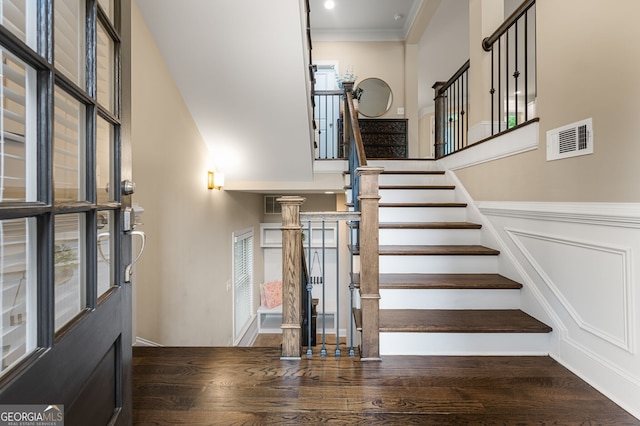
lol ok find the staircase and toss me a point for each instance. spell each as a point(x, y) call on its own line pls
point(440, 290)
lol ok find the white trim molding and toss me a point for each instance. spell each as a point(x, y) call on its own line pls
point(514, 142)
point(144, 342)
point(607, 214)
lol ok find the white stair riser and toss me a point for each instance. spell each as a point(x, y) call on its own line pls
point(449, 299)
point(478, 344)
point(417, 196)
point(429, 236)
point(438, 264)
point(413, 180)
point(422, 214)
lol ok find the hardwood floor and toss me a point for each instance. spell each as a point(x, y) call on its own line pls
point(211, 386)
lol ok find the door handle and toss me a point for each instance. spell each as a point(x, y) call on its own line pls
point(128, 271)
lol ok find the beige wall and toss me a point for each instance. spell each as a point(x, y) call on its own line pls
point(181, 278)
point(384, 60)
point(587, 67)
point(426, 147)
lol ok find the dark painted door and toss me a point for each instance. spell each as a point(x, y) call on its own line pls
point(65, 242)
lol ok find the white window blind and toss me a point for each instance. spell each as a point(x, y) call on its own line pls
point(242, 281)
point(69, 140)
point(18, 247)
point(68, 268)
point(19, 17)
point(17, 290)
point(105, 68)
point(69, 38)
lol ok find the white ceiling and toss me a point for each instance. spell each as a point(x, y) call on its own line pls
point(362, 20)
point(240, 67)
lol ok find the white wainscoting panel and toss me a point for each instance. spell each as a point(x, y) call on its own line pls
point(583, 275)
point(579, 264)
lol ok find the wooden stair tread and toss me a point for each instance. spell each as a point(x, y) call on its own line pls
point(429, 225)
point(413, 172)
point(435, 187)
point(422, 205)
point(442, 281)
point(446, 281)
point(437, 250)
point(460, 321)
point(408, 172)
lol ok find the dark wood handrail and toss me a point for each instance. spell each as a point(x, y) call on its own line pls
point(355, 126)
point(487, 43)
point(457, 75)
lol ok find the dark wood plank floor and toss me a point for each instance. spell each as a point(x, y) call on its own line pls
point(210, 386)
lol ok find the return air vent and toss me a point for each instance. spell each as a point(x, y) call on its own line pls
point(570, 141)
point(271, 206)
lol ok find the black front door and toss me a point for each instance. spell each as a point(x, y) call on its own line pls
point(65, 329)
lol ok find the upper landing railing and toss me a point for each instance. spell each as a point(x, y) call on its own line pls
point(513, 85)
point(513, 69)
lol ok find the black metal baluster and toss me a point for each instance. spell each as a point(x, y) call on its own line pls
point(516, 74)
point(526, 65)
point(336, 322)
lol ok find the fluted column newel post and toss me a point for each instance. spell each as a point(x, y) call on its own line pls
point(291, 276)
point(369, 262)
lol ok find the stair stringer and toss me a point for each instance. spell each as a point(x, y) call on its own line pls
point(531, 299)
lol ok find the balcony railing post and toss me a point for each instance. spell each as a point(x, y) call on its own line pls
point(291, 276)
point(346, 126)
point(369, 262)
point(440, 118)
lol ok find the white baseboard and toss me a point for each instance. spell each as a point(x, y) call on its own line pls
point(144, 342)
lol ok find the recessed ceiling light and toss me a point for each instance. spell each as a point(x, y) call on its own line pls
point(329, 4)
point(398, 17)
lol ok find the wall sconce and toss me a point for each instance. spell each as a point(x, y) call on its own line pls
point(215, 180)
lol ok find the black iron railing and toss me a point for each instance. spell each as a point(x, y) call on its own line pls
point(326, 116)
point(452, 118)
point(326, 318)
point(513, 69)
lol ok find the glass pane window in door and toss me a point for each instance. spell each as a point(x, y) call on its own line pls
point(70, 39)
point(18, 271)
point(68, 148)
point(108, 6)
point(105, 230)
point(17, 130)
point(19, 17)
point(105, 69)
point(69, 272)
point(104, 161)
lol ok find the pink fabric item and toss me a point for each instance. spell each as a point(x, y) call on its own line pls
point(272, 294)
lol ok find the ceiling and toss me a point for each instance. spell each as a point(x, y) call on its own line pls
point(362, 20)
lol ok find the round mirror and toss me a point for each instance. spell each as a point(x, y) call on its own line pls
point(374, 97)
